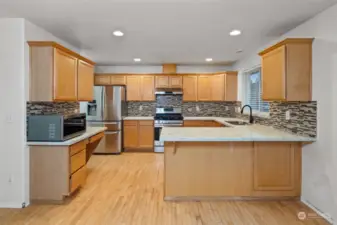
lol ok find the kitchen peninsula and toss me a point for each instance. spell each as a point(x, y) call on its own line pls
point(232, 162)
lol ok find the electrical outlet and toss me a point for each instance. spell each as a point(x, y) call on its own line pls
point(140, 108)
point(226, 108)
point(288, 115)
point(9, 119)
point(197, 108)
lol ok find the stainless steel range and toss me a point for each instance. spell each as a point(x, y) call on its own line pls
point(165, 117)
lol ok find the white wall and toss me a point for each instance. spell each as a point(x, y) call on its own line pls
point(14, 86)
point(158, 69)
point(319, 185)
point(12, 113)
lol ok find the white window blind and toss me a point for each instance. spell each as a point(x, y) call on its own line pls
point(254, 95)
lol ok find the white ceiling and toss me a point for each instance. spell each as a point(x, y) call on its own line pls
point(164, 31)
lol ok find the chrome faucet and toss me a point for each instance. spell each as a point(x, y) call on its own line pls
point(251, 118)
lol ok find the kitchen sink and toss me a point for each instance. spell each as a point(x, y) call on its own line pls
point(238, 123)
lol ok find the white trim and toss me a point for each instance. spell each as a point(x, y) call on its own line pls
point(326, 216)
point(11, 205)
point(258, 114)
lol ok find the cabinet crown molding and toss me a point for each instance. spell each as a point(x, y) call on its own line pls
point(58, 46)
point(287, 41)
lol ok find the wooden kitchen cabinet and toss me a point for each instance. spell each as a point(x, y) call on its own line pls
point(277, 168)
point(131, 134)
point(147, 88)
point(63, 172)
point(102, 79)
point(133, 88)
point(218, 87)
point(65, 76)
point(85, 79)
point(202, 123)
point(286, 70)
point(174, 81)
point(140, 88)
point(162, 81)
point(231, 86)
point(118, 80)
point(59, 74)
point(204, 88)
point(190, 88)
point(138, 135)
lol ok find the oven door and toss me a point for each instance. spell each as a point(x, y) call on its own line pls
point(158, 145)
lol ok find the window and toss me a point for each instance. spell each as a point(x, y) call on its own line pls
point(253, 91)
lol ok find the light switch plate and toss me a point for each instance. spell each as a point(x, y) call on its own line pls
point(288, 115)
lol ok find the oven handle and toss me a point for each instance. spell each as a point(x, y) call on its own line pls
point(168, 125)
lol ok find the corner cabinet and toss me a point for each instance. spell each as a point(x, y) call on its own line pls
point(286, 70)
point(58, 74)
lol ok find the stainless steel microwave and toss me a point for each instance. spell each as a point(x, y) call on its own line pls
point(55, 127)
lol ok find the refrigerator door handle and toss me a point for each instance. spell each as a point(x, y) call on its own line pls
point(111, 132)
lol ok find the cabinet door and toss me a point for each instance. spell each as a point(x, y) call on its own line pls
point(204, 88)
point(218, 87)
point(85, 80)
point(190, 88)
point(194, 123)
point(65, 76)
point(117, 80)
point(102, 79)
point(231, 87)
point(275, 166)
point(146, 134)
point(131, 134)
point(273, 74)
point(133, 91)
point(148, 88)
point(162, 82)
point(176, 81)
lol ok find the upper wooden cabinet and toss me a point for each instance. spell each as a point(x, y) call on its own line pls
point(59, 74)
point(110, 79)
point(174, 81)
point(190, 88)
point(286, 70)
point(140, 88)
point(85, 91)
point(204, 88)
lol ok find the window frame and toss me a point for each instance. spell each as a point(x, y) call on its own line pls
point(246, 92)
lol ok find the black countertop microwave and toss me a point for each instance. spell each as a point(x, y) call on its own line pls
point(55, 127)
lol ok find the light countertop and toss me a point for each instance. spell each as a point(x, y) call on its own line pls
point(91, 131)
point(138, 118)
point(232, 133)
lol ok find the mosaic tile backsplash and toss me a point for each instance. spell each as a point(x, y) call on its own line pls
point(303, 117)
point(40, 108)
point(141, 108)
point(219, 109)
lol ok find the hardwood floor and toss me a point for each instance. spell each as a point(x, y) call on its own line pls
point(128, 190)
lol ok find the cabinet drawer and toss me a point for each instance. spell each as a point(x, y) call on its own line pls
point(130, 122)
point(77, 161)
point(78, 179)
point(145, 122)
point(75, 148)
point(96, 137)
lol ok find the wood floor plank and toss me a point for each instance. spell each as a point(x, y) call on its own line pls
point(128, 190)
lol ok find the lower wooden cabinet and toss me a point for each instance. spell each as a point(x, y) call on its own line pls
point(58, 171)
point(138, 135)
point(202, 123)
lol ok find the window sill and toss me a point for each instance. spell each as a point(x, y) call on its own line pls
point(259, 114)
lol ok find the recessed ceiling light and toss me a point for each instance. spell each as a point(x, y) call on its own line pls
point(118, 33)
point(209, 59)
point(235, 33)
point(137, 59)
point(239, 51)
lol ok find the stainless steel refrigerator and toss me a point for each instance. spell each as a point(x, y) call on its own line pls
point(108, 109)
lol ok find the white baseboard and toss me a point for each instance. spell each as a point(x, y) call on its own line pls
point(12, 205)
point(322, 214)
